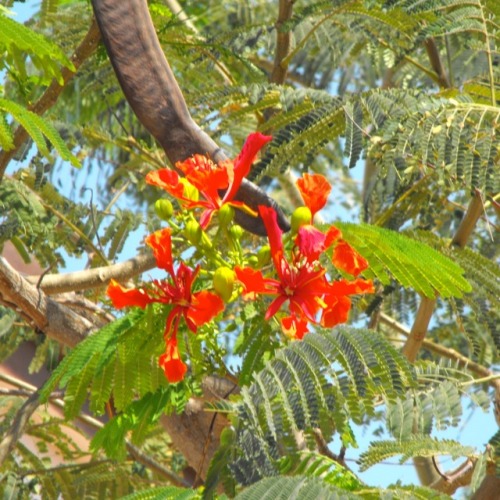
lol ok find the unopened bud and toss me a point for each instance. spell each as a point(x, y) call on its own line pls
point(300, 217)
point(263, 256)
point(224, 282)
point(236, 232)
point(253, 261)
point(226, 215)
point(164, 209)
point(193, 232)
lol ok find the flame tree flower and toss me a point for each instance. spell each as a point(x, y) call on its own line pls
point(197, 308)
point(301, 281)
point(210, 179)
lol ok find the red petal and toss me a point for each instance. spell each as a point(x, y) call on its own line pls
point(206, 176)
point(243, 162)
point(161, 243)
point(171, 363)
point(166, 179)
point(332, 235)
point(254, 282)
point(274, 233)
point(314, 190)
point(337, 312)
point(358, 286)
point(294, 327)
point(204, 307)
point(310, 241)
point(347, 259)
point(127, 297)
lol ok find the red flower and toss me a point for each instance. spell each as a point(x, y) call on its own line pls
point(302, 281)
point(197, 308)
point(299, 282)
point(210, 178)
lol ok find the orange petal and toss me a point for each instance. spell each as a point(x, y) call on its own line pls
point(347, 259)
point(172, 365)
point(294, 327)
point(161, 244)
point(166, 179)
point(204, 307)
point(314, 190)
point(337, 312)
point(127, 297)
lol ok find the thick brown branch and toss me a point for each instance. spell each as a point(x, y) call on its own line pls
point(153, 93)
point(55, 320)
point(86, 48)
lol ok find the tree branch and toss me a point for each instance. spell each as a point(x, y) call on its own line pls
point(21, 420)
point(96, 277)
point(86, 48)
point(283, 38)
point(425, 310)
point(55, 320)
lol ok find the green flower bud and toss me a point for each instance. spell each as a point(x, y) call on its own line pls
point(193, 232)
point(190, 192)
point(224, 282)
point(164, 209)
point(236, 232)
point(264, 256)
point(253, 261)
point(226, 215)
point(300, 217)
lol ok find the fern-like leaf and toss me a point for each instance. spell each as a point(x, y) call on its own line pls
point(38, 129)
point(418, 445)
point(394, 256)
point(45, 55)
point(321, 383)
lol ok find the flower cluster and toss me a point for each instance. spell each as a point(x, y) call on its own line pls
point(197, 308)
point(299, 278)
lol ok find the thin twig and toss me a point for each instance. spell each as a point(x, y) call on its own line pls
point(96, 277)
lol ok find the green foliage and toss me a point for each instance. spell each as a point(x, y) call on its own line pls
point(361, 87)
point(17, 40)
point(139, 417)
point(394, 256)
point(164, 493)
point(418, 445)
point(293, 487)
point(323, 382)
point(38, 129)
point(115, 362)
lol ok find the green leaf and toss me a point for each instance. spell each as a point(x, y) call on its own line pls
point(44, 54)
point(38, 129)
point(418, 445)
point(413, 264)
